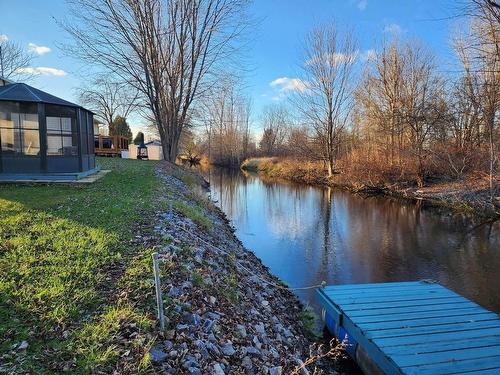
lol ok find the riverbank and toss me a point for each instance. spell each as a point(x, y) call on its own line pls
point(470, 196)
point(226, 312)
point(76, 282)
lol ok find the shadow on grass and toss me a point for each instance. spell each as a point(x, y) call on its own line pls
point(108, 203)
point(62, 249)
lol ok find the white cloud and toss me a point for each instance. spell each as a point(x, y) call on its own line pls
point(39, 50)
point(41, 70)
point(285, 84)
point(362, 4)
point(393, 28)
point(369, 55)
point(3, 38)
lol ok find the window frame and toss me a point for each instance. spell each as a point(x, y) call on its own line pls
point(62, 133)
point(17, 113)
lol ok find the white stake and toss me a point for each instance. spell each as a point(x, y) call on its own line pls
point(159, 299)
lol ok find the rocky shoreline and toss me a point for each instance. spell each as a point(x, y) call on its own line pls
point(225, 312)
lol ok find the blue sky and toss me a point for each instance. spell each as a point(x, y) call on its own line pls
point(274, 52)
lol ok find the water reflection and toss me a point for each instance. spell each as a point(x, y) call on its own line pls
point(307, 234)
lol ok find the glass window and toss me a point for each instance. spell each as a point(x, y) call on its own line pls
point(53, 123)
point(62, 137)
point(19, 132)
point(31, 142)
point(29, 121)
point(66, 124)
point(107, 143)
point(7, 137)
point(5, 121)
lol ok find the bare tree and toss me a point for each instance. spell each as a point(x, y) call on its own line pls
point(276, 122)
point(402, 99)
point(326, 98)
point(109, 99)
point(485, 9)
point(479, 52)
point(14, 60)
point(226, 116)
point(423, 105)
point(168, 50)
point(379, 96)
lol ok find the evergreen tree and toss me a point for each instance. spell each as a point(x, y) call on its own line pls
point(120, 127)
point(139, 138)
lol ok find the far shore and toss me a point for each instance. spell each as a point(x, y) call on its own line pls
point(469, 196)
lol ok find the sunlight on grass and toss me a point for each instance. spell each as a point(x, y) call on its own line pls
point(194, 213)
point(96, 342)
point(57, 247)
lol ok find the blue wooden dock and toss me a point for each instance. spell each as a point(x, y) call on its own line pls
point(412, 328)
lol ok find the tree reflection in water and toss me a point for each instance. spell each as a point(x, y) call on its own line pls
point(308, 234)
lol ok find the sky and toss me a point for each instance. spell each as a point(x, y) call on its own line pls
point(274, 52)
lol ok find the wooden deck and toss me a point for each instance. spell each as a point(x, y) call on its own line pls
point(111, 145)
point(412, 328)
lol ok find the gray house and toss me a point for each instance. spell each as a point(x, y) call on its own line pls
point(42, 136)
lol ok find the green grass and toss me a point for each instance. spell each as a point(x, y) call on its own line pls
point(230, 291)
point(310, 320)
point(195, 213)
point(66, 259)
point(197, 278)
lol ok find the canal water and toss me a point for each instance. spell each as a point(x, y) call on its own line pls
point(308, 234)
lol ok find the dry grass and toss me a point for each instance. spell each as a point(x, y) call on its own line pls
point(321, 356)
point(376, 176)
point(288, 168)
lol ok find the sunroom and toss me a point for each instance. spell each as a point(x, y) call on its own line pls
point(43, 137)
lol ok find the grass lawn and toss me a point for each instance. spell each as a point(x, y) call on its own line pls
point(72, 273)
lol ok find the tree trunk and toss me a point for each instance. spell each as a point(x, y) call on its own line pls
point(165, 148)
point(330, 166)
point(492, 158)
point(420, 171)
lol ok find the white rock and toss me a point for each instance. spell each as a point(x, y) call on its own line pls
point(23, 345)
point(218, 370)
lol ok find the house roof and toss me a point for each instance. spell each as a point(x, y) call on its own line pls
point(154, 142)
point(21, 92)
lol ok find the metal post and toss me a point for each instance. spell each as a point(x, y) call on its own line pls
point(159, 300)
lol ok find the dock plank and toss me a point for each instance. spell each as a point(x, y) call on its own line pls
point(491, 371)
point(471, 311)
point(436, 337)
point(408, 360)
point(410, 309)
point(442, 328)
point(382, 291)
point(415, 327)
point(398, 284)
point(443, 346)
point(431, 321)
point(391, 305)
point(392, 298)
point(456, 367)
